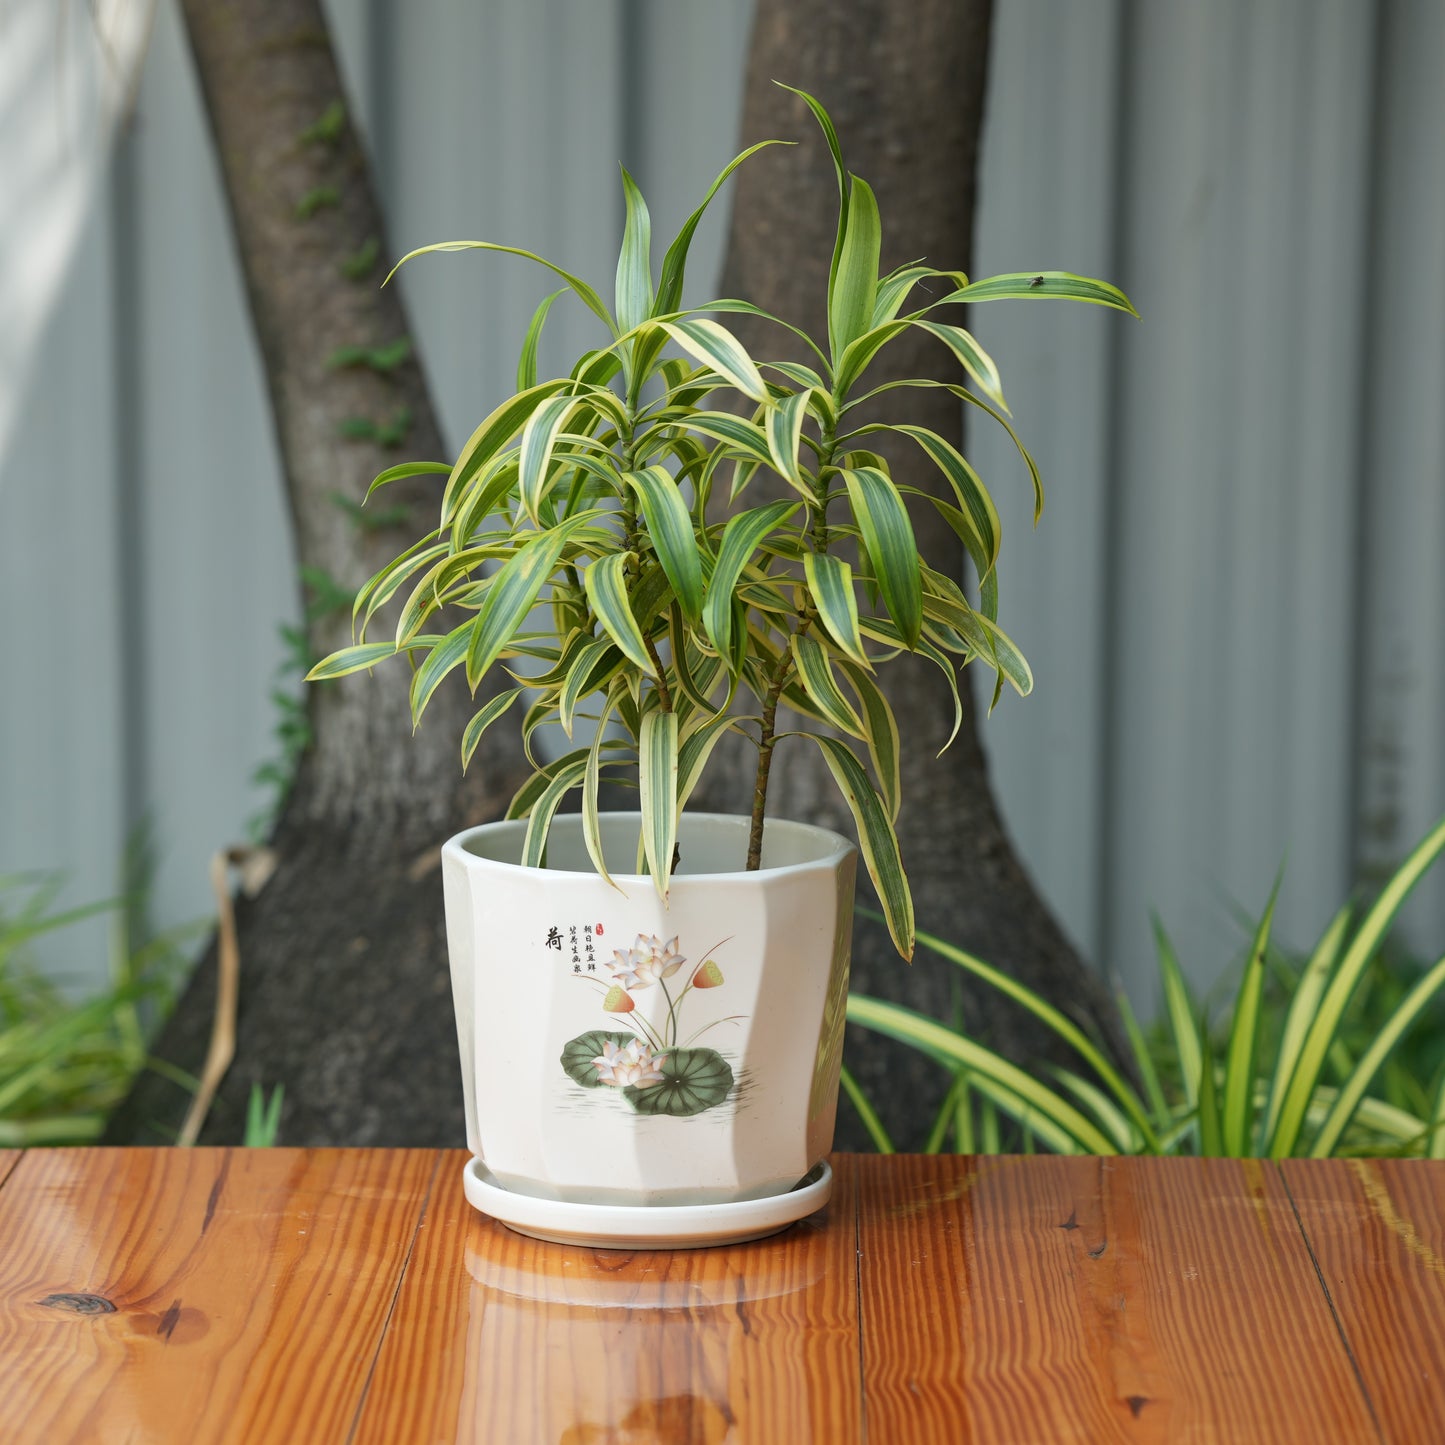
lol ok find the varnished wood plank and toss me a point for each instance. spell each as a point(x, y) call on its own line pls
point(1093, 1300)
point(497, 1337)
point(1377, 1229)
point(9, 1158)
point(198, 1295)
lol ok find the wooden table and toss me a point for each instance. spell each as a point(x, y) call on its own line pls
point(309, 1296)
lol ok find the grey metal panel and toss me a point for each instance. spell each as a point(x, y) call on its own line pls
point(1048, 199)
point(60, 647)
point(1401, 678)
point(1243, 213)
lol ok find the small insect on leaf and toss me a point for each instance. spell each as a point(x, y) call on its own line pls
point(1036, 283)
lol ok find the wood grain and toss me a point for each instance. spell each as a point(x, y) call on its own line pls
point(1377, 1229)
point(1056, 1300)
point(198, 1295)
point(497, 1337)
point(9, 1158)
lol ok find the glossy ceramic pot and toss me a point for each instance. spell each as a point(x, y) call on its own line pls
point(619, 1049)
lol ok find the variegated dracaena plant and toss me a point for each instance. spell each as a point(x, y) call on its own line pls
point(598, 494)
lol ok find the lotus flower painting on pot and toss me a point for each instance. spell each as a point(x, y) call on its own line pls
point(653, 1070)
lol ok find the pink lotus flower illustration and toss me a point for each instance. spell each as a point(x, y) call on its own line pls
point(634, 1064)
point(648, 961)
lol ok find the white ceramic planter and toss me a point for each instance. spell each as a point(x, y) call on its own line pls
point(619, 1050)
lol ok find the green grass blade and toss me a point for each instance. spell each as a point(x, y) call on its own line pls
point(985, 1066)
point(866, 1112)
point(1143, 1061)
point(1211, 1127)
point(1354, 1087)
point(1243, 1048)
point(1180, 1011)
point(1326, 1023)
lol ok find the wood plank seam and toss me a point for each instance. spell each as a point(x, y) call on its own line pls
point(8, 1163)
point(858, 1294)
point(421, 1215)
point(1330, 1301)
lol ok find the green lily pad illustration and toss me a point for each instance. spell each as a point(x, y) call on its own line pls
point(694, 1080)
point(577, 1055)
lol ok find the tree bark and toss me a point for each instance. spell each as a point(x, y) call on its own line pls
point(905, 85)
point(344, 995)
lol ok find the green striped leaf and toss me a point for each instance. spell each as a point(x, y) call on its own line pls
point(539, 436)
point(785, 431)
point(1324, 1028)
point(1180, 1012)
point(591, 786)
point(955, 1049)
point(1303, 1004)
point(743, 436)
point(696, 749)
point(860, 352)
point(634, 264)
point(527, 362)
point(739, 541)
point(674, 264)
point(446, 655)
point(867, 1114)
point(605, 582)
point(589, 298)
point(890, 544)
point(880, 729)
point(825, 124)
point(358, 658)
point(596, 665)
point(1243, 1046)
point(855, 285)
point(511, 593)
point(973, 497)
point(483, 718)
point(494, 432)
point(816, 676)
point(563, 778)
point(893, 291)
point(876, 839)
point(975, 361)
point(1348, 1100)
point(715, 346)
point(525, 798)
point(403, 471)
point(1042, 285)
point(657, 782)
point(830, 583)
point(669, 524)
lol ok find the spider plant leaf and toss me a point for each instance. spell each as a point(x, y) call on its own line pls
point(1180, 1011)
point(1242, 1050)
point(1042, 285)
point(605, 582)
point(715, 346)
point(983, 1064)
point(876, 839)
point(589, 298)
point(830, 584)
point(634, 263)
point(481, 720)
point(674, 264)
point(1211, 1128)
point(740, 540)
point(527, 361)
point(1353, 1089)
point(815, 672)
point(891, 546)
point(539, 437)
point(657, 780)
point(854, 287)
point(1143, 1060)
point(867, 1114)
point(1324, 1028)
point(881, 734)
point(784, 432)
point(1302, 1006)
point(669, 524)
point(512, 591)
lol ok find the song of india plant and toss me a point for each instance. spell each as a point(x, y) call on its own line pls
point(676, 612)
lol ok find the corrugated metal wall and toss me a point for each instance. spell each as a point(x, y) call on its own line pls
point(1233, 605)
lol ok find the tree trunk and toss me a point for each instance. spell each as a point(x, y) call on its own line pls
point(905, 85)
point(344, 994)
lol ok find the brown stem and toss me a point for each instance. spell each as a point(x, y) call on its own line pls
point(664, 696)
point(765, 762)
